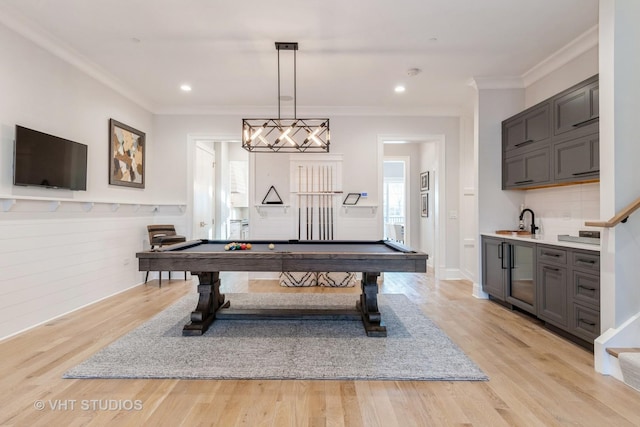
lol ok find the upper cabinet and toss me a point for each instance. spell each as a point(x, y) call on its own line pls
point(577, 109)
point(528, 129)
point(555, 142)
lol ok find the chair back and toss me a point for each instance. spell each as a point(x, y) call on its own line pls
point(163, 233)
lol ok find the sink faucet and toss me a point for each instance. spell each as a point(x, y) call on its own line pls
point(533, 219)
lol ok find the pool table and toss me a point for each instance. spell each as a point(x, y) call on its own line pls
point(207, 258)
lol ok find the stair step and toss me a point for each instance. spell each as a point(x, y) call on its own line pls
point(615, 351)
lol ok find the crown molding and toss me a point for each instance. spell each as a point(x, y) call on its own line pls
point(505, 82)
point(322, 111)
point(570, 51)
point(57, 47)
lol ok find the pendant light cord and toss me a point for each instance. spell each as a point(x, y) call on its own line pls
point(295, 88)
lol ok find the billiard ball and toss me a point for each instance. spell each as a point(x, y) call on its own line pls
point(248, 245)
point(271, 246)
point(243, 246)
point(226, 247)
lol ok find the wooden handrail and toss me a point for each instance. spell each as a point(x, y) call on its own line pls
point(620, 217)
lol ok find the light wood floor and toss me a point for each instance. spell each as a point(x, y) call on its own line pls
point(536, 378)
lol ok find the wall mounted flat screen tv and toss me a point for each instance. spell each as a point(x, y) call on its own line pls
point(48, 161)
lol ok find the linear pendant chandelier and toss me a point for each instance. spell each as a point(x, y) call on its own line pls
point(286, 135)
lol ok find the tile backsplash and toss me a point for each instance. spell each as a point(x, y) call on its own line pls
point(563, 210)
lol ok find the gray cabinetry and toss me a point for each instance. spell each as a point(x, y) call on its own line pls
point(493, 271)
point(577, 159)
point(527, 129)
point(577, 108)
point(566, 291)
point(527, 169)
point(508, 271)
point(555, 142)
point(552, 286)
point(584, 317)
point(569, 291)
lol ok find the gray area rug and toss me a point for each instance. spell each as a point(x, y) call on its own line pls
point(415, 348)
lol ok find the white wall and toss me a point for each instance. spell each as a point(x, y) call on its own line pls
point(356, 138)
point(469, 242)
point(56, 258)
point(578, 69)
point(563, 210)
point(619, 154)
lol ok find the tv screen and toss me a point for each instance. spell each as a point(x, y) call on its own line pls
point(48, 161)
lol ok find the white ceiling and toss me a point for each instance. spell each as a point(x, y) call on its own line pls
point(352, 53)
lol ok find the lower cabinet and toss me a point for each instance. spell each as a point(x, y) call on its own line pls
point(584, 316)
point(493, 270)
point(567, 286)
point(552, 294)
point(569, 290)
point(508, 272)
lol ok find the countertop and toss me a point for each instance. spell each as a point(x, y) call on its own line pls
point(546, 240)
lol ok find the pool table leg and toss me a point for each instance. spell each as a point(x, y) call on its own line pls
point(368, 306)
point(209, 302)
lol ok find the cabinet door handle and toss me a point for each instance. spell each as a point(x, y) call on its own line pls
point(585, 172)
point(553, 255)
point(585, 261)
point(586, 322)
point(501, 255)
point(512, 252)
point(585, 122)
point(551, 268)
point(523, 182)
point(586, 288)
point(528, 141)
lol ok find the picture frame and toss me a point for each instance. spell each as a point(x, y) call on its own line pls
point(127, 147)
point(351, 199)
point(424, 181)
point(424, 205)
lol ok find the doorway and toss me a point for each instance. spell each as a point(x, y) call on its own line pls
point(204, 190)
point(424, 207)
point(217, 201)
point(395, 211)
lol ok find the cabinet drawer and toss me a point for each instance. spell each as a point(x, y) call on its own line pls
point(586, 261)
point(585, 322)
point(554, 255)
point(586, 288)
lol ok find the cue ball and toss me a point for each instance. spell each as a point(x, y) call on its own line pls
point(271, 246)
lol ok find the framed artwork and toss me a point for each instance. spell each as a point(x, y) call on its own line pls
point(126, 155)
point(424, 181)
point(351, 199)
point(424, 204)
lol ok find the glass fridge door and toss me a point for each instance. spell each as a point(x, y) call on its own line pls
point(522, 283)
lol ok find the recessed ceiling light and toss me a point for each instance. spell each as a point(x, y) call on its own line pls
point(185, 88)
point(399, 89)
